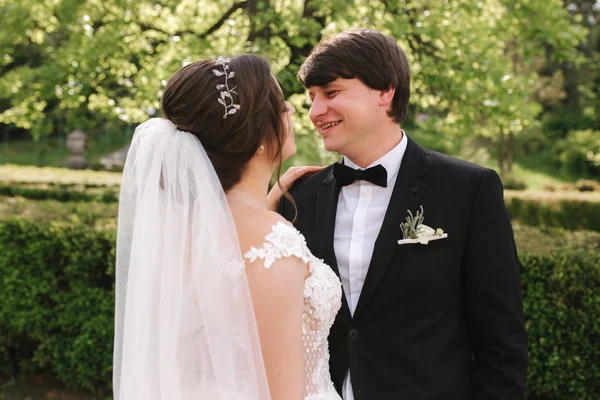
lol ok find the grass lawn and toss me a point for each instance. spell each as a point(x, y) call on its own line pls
point(28, 153)
point(534, 177)
point(552, 197)
point(24, 173)
point(53, 153)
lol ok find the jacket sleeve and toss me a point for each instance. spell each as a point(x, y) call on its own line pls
point(285, 208)
point(492, 295)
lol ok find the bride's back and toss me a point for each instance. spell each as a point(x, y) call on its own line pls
point(237, 110)
point(277, 296)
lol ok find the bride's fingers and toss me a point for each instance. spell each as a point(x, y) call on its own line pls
point(286, 181)
point(296, 172)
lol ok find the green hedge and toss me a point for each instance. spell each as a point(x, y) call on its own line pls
point(60, 185)
point(561, 295)
point(91, 214)
point(56, 312)
point(567, 214)
point(60, 194)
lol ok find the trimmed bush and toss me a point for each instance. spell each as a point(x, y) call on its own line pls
point(587, 185)
point(562, 307)
point(567, 214)
point(107, 196)
point(511, 182)
point(56, 313)
point(90, 214)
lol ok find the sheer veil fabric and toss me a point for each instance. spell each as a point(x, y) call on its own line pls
point(184, 324)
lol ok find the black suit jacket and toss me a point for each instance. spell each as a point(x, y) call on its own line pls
point(441, 321)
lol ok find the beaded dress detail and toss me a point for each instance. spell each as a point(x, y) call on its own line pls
point(322, 301)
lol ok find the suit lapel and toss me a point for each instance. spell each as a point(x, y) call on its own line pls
point(327, 199)
point(325, 220)
point(408, 191)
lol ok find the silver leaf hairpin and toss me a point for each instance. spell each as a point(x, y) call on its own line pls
point(225, 90)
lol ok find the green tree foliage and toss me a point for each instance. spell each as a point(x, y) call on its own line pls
point(84, 62)
point(579, 106)
point(569, 93)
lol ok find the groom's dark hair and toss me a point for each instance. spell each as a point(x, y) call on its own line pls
point(369, 55)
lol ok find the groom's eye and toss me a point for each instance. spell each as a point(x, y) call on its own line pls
point(331, 93)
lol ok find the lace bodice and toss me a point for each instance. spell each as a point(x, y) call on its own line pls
point(322, 301)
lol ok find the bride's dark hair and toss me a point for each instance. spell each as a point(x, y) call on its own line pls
point(190, 101)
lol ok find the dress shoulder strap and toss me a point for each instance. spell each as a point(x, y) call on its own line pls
point(283, 241)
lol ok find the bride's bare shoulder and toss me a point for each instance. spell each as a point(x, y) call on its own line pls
point(254, 225)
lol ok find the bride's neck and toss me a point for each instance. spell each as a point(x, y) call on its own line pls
point(253, 186)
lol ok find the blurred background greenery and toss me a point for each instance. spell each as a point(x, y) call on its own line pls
point(511, 84)
point(508, 84)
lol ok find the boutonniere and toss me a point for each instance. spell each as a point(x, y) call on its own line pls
point(415, 231)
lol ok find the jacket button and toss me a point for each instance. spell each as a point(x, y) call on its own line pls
point(353, 334)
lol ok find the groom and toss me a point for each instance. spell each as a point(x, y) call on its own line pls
point(442, 321)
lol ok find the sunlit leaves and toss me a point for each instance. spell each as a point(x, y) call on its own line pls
point(110, 59)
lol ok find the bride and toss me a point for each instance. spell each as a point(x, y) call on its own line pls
point(217, 296)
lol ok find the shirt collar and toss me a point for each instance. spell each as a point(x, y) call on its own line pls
point(391, 160)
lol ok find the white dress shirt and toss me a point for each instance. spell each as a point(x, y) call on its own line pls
point(361, 208)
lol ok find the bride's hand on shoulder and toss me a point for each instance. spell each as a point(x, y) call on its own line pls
point(286, 181)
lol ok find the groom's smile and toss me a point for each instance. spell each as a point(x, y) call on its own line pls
point(344, 113)
point(326, 125)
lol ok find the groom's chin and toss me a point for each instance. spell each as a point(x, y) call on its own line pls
point(330, 145)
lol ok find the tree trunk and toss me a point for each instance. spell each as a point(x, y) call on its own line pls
point(259, 29)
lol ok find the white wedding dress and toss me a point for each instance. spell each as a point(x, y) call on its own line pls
point(322, 301)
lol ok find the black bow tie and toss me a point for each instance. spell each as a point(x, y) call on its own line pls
point(345, 175)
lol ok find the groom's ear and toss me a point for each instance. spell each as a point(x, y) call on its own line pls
point(386, 96)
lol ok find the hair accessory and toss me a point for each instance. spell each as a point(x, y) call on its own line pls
point(261, 148)
point(226, 91)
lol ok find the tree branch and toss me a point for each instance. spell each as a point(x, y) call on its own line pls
point(224, 18)
point(258, 29)
point(203, 35)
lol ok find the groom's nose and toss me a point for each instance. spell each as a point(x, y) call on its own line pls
point(317, 108)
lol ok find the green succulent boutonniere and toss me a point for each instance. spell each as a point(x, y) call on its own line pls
point(415, 231)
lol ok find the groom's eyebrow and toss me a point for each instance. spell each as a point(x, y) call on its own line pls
point(325, 86)
point(328, 85)
point(334, 83)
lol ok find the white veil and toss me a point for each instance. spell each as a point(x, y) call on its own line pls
point(184, 323)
